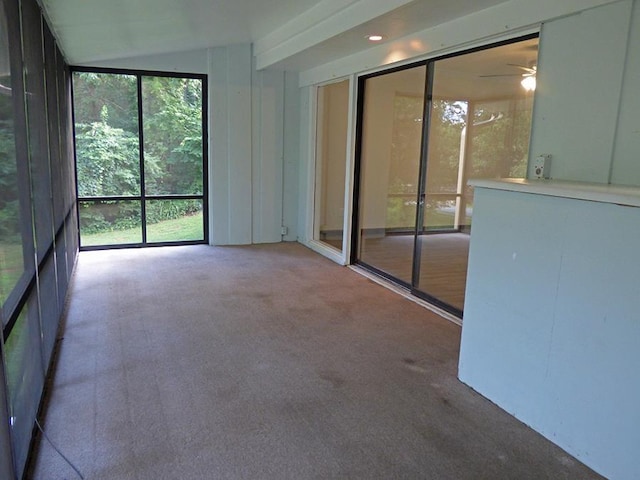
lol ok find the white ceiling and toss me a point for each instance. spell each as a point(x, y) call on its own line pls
point(295, 34)
point(91, 30)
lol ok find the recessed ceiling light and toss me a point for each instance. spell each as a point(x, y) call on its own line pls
point(374, 38)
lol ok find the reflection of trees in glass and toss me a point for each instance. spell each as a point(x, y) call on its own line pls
point(448, 119)
point(500, 149)
point(404, 163)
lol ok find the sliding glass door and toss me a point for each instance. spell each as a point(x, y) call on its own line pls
point(424, 131)
point(391, 119)
point(332, 117)
point(140, 158)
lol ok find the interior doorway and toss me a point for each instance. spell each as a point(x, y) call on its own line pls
point(424, 130)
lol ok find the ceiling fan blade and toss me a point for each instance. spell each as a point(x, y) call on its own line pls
point(502, 75)
point(523, 67)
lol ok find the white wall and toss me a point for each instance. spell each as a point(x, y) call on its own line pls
point(579, 98)
point(551, 327)
point(292, 135)
point(230, 145)
point(253, 141)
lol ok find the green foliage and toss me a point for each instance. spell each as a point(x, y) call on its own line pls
point(119, 93)
point(107, 160)
point(9, 206)
point(160, 210)
point(108, 216)
point(173, 134)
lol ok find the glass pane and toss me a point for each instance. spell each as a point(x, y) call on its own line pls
point(480, 122)
point(24, 366)
point(110, 223)
point(331, 158)
point(11, 255)
point(172, 119)
point(174, 220)
point(107, 147)
point(390, 160)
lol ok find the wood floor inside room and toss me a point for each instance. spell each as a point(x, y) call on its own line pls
point(266, 362)
point(443, 262)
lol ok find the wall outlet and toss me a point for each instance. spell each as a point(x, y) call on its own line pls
point(542, 166)
point(284, 230)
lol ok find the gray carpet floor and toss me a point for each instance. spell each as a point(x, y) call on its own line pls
point(267, 362)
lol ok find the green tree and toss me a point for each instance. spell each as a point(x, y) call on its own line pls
point(107, 160)
point(173, 133)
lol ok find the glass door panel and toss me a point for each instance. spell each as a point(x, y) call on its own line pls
point(391, 139)
point(479, 127)
point(331, 162)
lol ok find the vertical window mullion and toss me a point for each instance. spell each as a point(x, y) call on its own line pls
point(422, 175)
point(143, 202)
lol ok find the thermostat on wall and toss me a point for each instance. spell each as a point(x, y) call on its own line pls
point(542, 166)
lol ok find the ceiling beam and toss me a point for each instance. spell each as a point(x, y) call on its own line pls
point(318, 24)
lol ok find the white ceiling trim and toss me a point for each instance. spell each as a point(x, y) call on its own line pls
point(315, 26)
point(500, 22)
point(318, 13)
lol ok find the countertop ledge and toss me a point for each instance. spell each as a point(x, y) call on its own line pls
point(594, 192)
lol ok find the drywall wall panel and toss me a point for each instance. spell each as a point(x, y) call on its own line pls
point(551, 328)
point(626, 156)
point(230, 149)
point(580, 69)
point(268, 134)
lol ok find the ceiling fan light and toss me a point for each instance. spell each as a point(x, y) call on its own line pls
point(529, 83)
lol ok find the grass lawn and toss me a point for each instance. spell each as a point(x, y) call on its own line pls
point(181, 229)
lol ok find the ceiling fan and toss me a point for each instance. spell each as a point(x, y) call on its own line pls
point(528, 81)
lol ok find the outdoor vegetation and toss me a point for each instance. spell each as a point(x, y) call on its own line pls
point(108, 152)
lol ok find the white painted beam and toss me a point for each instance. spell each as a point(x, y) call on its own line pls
point(322, 22)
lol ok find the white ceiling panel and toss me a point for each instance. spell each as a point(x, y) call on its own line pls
point(92, 30)
point(287, 34)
